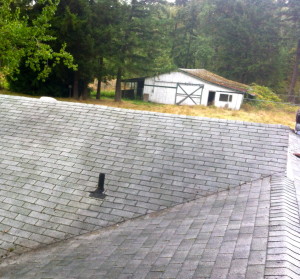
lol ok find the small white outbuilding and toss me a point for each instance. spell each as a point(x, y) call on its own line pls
point(192, 87)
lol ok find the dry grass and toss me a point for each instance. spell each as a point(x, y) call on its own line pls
point(284, 114)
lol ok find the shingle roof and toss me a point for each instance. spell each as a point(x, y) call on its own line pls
point(52, 153)
point(245, 232)
point(211, 237)
point(216, 79)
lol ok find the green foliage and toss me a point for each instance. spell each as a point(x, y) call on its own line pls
point(247, 39)
point(239, 39)
point(3, 82)
point(290, 14)
point(21, 38)
point(192, 41)
point(26, 81)
point(264, 93)
point(244, 40)
point(142, 45)
point(264, 98)
point(104, 94)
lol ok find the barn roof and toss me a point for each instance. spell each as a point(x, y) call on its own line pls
point(216, 79)
point(185, 196)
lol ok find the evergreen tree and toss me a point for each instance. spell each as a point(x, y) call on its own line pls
point(192, 42)
point(143, 45)
point(247, 40)
point(290, 15)
point(105, 20)
point(73, 25)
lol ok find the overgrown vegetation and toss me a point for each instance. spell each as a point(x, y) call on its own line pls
point(264, 93)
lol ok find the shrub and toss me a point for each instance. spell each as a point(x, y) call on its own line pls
point(264, 93)
point(264, 98)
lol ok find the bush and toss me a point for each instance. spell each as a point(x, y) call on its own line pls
point(264, 98)
point(264, 93)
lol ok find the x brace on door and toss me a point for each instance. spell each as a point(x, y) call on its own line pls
point(187, 95)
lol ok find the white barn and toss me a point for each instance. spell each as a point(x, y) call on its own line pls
point(191, 87)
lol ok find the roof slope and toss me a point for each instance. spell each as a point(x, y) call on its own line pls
point(216, 79)
point(211, 237)
point(250, 231)
point(51, 155)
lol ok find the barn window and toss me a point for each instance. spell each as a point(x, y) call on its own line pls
point(225, 98)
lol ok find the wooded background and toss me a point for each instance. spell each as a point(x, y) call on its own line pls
point(57, 48)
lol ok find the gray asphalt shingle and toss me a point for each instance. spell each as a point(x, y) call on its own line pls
point(211, 237)
point(52, 153)
point(284, 233)
point(211, 196)
point(236, 233)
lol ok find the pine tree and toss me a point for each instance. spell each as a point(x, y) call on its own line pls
point(142, 45)
point(192, 43)
point(290, 15)
point(247, 40)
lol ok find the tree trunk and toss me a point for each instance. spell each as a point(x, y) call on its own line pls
point(84, 94)
point(99, 79)
point(118, 91)
point(98, 88)
point(291, 93)
point(75, 85)
point(124, 50)
point(188, 52)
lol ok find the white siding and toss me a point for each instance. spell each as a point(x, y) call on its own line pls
point(236, 102)
point(162, 89)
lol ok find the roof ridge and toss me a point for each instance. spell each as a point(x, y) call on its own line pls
point(281, 259)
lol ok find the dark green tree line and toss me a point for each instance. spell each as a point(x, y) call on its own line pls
point(244, 40)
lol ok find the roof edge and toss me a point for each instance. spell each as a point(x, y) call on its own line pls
point(144, 112)
point(211, 82)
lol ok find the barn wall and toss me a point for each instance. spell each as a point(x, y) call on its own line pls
point(165, 95)
point(164, 91)
point(236, 102)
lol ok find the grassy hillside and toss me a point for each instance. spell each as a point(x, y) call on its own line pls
point(269, 113)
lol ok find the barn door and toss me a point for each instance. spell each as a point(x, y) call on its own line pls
point(190, 94)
